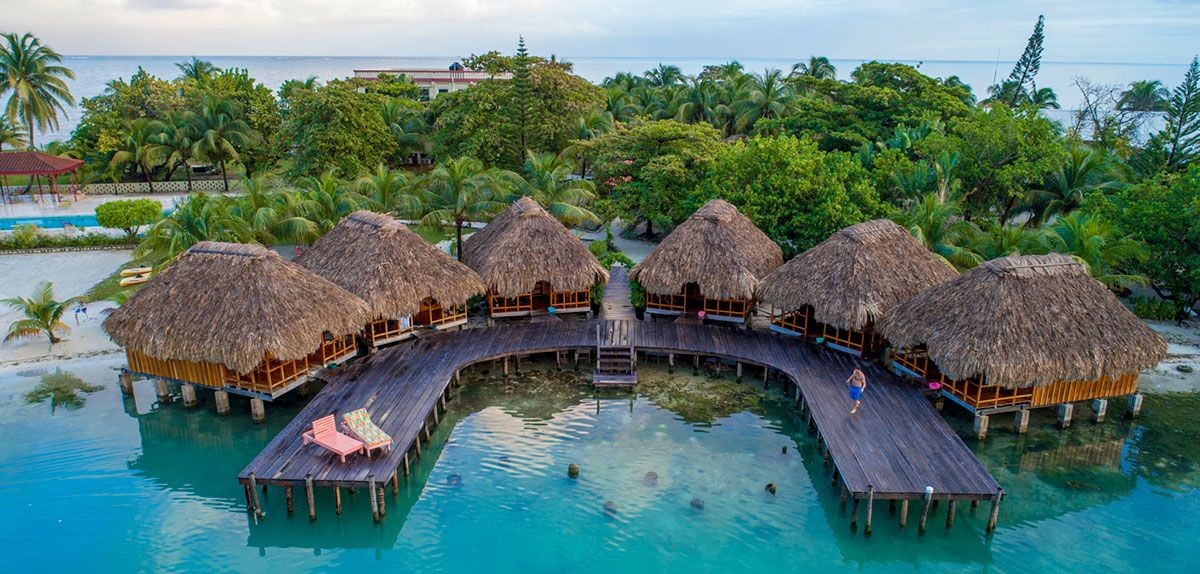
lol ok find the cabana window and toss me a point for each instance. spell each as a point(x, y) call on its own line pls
point(434, 315)
point(382, 331)
point(801, 322)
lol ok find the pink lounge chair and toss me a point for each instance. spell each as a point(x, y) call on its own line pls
point(324, 432)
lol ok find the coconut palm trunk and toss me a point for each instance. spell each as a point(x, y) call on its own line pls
point(224, 175)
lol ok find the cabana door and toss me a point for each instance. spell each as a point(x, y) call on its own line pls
point(541, 294)
point(693, 299)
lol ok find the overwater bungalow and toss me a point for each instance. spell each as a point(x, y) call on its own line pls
point(237, 318)
point(407, 283)
point(836, 291)
point(1023, 332)
point(530, 262)
point(712, 263)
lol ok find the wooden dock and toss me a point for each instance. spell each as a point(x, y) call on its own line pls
point(897, 447)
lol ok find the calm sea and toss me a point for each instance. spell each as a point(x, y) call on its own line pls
point(94, 72)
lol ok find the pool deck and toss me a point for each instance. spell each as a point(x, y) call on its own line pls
point(894, 448)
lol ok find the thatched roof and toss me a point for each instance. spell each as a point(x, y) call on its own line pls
point(524, 245)
point(717, 248)
point(1025, 320)
point(855, 276)
point(230, 303)
point(388, 266)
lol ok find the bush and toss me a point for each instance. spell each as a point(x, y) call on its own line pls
point(1155, 309)
point(128, 215)
point(26, 236)
point(608, 255)
point(637, 295)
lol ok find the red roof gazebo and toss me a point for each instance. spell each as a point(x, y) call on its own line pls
point(37, 164)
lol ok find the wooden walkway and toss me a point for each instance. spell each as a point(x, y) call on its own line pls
point(615, 305)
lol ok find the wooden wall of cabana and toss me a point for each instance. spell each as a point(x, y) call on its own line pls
point(530, 262)
point(1022, 332)
point(835, 292)
point(237, 318)
point(408, 283)
point(712, 263)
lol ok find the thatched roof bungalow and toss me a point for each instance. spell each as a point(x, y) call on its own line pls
point(238, 318)
point(529, 261)
point(712, 263)
point(1023, 331)
point(405, 281)
point(836, 291)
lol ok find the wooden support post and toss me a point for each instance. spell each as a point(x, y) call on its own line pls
point(870, 509)
point(405, 463)
point(258, 511)
point(696, 364)
point(1135, 405)
point(558, 360)
point(417, 443)
point(766, 377)
point(1021, 421)
point(1065, 411)
point(670, 362)
point(506, 366)
point(845, 495)
point(258, 410)
point(1099, 410)
point(425, 428)
point(834, 481)
point(436, 420)
point(189, 395)
point(395, 484)
point(892, 506)
point(939, 404)
point(374, 503)
point(950, 508)
point(291, 499)
point(309, 498)
point(854, 514)
point(442, 399)
point(382, 504)
point(222, 400)
point(162, 391)
point(337, 500)
point(739, 371)
point(904, 513)
point(925, 509)
point(458, 377)
point(126, 381)
point(995, 514)
point(974, 505)
point(981, 426)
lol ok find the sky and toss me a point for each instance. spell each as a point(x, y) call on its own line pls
point(1132, 31)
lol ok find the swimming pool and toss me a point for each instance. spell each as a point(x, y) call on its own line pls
point(55, 221)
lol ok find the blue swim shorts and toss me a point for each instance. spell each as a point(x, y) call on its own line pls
point(856, 393)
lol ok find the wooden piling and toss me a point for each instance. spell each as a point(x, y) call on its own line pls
point(436, 420)
point(854, 514)
point(309, 498)
point(925, 509)
point(950, 508)
point(845, 495)
point(1099, 410)
point(382, 503)
point(870, 509)
point(258, 410)
point(337, 500)
point(974, 505)
point(189, 395)
point(222, 400)
point(126, 381)
point(1022, 421)
point(162, 391)
point(291, 499)
point(395, 484)
point(374, 503)
point(739, 371)
point(1065, 411)
point(670, 362)
point(258, 511)
point(1135, 405)
point(904, 513)
point(995, 514)
point(405, 463)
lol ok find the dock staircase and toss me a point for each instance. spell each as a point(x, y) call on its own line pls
point(616, 358)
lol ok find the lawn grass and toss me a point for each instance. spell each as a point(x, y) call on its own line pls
point(109, 287)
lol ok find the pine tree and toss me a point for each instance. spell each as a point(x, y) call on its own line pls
point(1181, 135)
point(519, 113)
point(1027, 67)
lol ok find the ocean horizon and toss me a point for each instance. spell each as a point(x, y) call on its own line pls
point(93, 72)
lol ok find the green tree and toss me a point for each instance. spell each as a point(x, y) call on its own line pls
point(32, 73)
point(1144, 96)
point(992, 240)
point(405, 119)
point(817, 67)
point(128, 215)
point(664, 75)
point(797, 194)
point(271, 214)
point(1177, 145)
point(140, 149)
point(334, 128)
point(220, 131)
point(42, 315)
point(1084, 170)
point(197, 71)
point(548, 181)
point(388, 190)
point(257, 107)
point(198, 217)
point(768, 97)
point(175, 143)
point(461, 190)
point(1099, 246)
point(12, 134)
point(938, 225)
point(1024, 73)
point(645, 171)
point(325, 200)
point(519, 112)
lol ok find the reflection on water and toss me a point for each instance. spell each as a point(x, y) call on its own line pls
point(135, 485)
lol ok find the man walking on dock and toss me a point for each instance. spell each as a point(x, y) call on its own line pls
point(858, 384)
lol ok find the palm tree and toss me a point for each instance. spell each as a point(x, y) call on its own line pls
point(936, 224)
point(1044, 99)
point(271, 215)
point(768, 96)
point(175, 142)
point(1099, 246)
point(198, 217)
point(547, 181)
point(993, 240)
point(140, 148)
point(1144, 96)
point(31, 71)
point(43, 315)
point(618, 105)
point(664, 75)
point(699, 102)
point(388, 191)
point(325, 201)
point(220, 130)
point(12, 134)
point(1085, 170)
point(408, 126)
point(956, 82)
point(593, 124)
point(197, 70)
point(461, 190)
point(817, 67)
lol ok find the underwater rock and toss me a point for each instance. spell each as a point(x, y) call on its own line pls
point(770, 487)
point(573, 470)
point(504, 458)
point(651, 478)
point(1184, 368)
point(610, 507)
point(454, 480)
point(698, 503)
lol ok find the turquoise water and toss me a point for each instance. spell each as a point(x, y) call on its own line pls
point(92, 480)
point(55, 221)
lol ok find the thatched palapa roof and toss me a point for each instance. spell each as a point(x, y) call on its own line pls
point(717, 248)
point(1024, 321)
point(230, 303)
point(855, 276)
point(524, 245)
point(391, 268)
